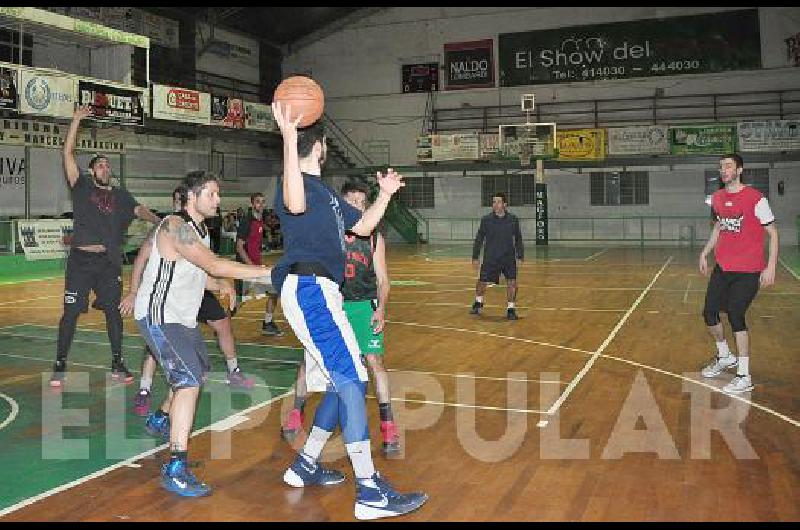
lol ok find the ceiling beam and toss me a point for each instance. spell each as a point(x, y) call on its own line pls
point(330, 28)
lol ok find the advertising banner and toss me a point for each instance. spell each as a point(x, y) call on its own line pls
point(469, 64)
point(227, 112)
point(702, 139)
point(769, 135)
point(112, 104)
point(8, 89)
point(694, 44)
point(639, 140)
point(45, 94)
point(181, 104)
point(581, 144)
point(258, 117)
point(44, 239)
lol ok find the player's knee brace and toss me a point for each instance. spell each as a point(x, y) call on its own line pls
point(327, 415)
point(736, 318)
point(711, 317)
point(353, 412)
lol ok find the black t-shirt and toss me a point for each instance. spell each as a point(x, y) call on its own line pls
point(503, 239)
point(102, 216)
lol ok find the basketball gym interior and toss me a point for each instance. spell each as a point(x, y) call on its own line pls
point(602, 126)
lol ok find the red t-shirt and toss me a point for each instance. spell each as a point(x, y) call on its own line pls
point(742, 217)
point(251, 231)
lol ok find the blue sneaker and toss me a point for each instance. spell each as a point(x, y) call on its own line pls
point(176, 477)
point(157, 426)
point(376, 498)
point(303, 473)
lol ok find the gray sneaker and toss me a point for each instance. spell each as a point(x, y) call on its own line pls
point(719, 365)
point(739, 384)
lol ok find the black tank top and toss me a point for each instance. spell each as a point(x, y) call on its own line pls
point(360, 282)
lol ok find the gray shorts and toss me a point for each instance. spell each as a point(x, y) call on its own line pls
point(179, 350)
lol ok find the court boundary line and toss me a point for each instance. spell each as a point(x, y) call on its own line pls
point(574, 383)
point(788, 268)
point(443, 374)
point(16, 282)
point(81, 341)
point(127, 462)
point(31, 299)
point(105, 368)
point(14, 410)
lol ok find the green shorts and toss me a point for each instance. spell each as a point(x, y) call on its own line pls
point(359, 313)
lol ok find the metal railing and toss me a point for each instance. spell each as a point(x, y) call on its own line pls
point(349, 148)
point(643, 110)
point(689, 230)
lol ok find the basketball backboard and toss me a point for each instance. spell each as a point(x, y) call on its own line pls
point(528, 141)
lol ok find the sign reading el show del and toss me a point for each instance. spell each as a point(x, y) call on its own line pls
point(715, 42)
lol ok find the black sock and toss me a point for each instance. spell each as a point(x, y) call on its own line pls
point(299, 403)
point(385, 410)
point(179, 455)
point(161, 414)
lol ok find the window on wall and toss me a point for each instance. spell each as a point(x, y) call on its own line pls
point(418, 192)
point(10, 47)
point(757, 177)
point(519, 189)
point(626, 188)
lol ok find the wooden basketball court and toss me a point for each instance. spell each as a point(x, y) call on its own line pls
point(590, 407)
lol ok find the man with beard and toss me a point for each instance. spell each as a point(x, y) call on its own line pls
point(102, 214)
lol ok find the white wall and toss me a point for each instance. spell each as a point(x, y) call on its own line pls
point(359, 68)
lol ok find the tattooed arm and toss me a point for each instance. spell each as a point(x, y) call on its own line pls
point(178, 239)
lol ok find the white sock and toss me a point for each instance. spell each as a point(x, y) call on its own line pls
point(233, 364)
point(267, 318)
point(722, 349)
point(512, 305)
point(316, 440)
point(744, 366)
point(361, 458)
point(145, 383)
point(479, 299)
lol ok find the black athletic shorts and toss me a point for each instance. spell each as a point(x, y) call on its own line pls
point(210, 309)
point(92, 271)
point(491, 270)
point(731, 291)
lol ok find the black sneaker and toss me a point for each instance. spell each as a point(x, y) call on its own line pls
point(269, 328)
point(119, 372)
point(59, 374)
point(511, 314)
point(476, 308)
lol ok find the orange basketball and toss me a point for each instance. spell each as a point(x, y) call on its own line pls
point(304, 95)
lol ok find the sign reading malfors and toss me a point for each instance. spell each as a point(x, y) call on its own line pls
point(715, 42)
point(469, 64)
point(181, 104)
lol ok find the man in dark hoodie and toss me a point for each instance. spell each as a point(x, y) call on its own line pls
point(502, 253)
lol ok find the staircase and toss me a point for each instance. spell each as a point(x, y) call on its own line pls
point(345, 152)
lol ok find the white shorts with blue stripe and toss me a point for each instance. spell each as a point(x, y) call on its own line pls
point(313, 307)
